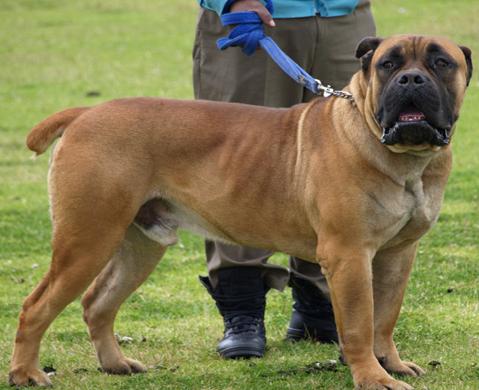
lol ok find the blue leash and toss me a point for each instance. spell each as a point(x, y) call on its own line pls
point(249, 34)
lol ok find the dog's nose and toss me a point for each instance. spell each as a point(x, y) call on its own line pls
point(411, 79)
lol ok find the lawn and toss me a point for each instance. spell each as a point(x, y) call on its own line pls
point(56, 54)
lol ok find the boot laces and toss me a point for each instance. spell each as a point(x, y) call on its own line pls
point(243, 324)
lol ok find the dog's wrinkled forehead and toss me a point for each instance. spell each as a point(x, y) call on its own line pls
point(413, 51)
point(414, 48)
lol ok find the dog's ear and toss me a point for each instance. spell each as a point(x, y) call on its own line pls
point(365, 50)
point(468, 56)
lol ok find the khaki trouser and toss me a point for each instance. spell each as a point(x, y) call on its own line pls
point(325, 48)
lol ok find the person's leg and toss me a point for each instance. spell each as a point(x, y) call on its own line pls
point(221, 256)
point(334, 63)
point(239, 279)
point(238, 273)
point(240, 296)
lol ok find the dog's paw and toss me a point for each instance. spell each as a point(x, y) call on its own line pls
point(404, 368)
point(381, 382)
point(384, 385)
point(125, 366)
point(28, 377)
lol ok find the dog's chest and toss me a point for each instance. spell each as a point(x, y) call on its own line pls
point(414, 214)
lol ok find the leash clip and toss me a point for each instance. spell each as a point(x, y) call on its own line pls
point(327, 91)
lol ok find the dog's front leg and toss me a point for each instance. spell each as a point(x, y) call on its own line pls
point(391, 268)
point(349, 275)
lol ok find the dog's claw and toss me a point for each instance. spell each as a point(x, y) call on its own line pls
point(136, 366)
point(380, 381)
point(126, 367)
point(406, 368)
point(389, 385)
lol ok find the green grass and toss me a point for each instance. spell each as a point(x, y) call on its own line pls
point(53, 53)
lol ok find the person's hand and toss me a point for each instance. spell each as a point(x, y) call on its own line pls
point(256, 6)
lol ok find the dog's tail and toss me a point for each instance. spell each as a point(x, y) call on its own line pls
point(43, 134)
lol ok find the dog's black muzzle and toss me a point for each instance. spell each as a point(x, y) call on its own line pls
point(413, 111)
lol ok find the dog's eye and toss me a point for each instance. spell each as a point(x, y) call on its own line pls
point(387, 65)
point(441, 63)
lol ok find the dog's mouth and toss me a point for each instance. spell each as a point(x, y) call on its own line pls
point(411, 116)
point(412, 128)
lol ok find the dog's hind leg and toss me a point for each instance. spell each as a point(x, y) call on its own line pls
point(79, 254)
point(125, 272)
point(88, 227)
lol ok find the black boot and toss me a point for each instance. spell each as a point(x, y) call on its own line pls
point(312, 316)
point(241, 299)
